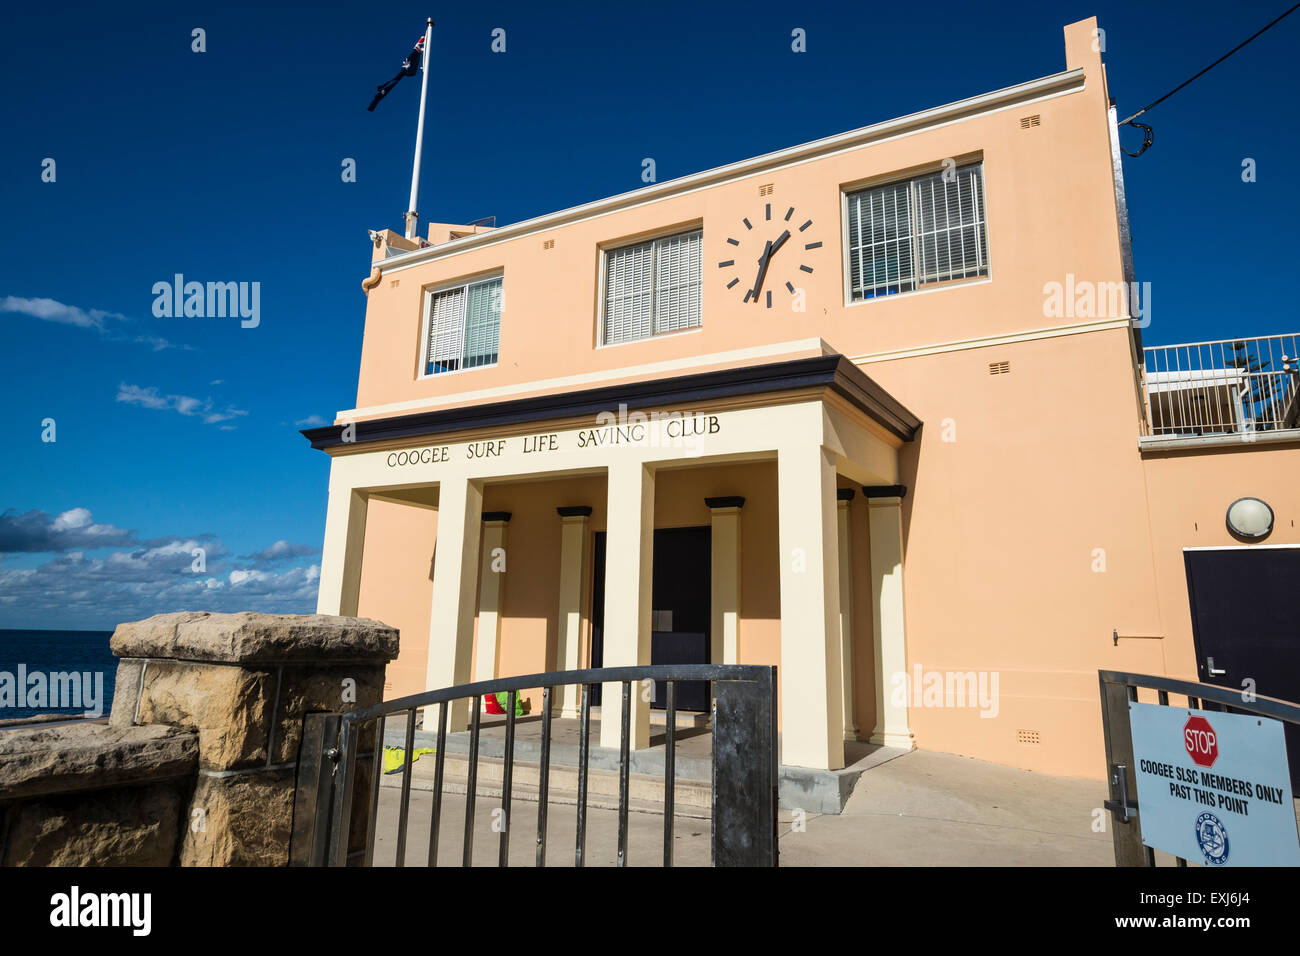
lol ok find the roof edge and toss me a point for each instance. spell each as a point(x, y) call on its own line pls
point(821, 371)
point(1056, 83)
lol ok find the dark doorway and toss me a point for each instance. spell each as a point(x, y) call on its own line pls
point(1245, 625)
point(680, 609)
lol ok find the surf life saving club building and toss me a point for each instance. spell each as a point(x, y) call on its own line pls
point(874, 409)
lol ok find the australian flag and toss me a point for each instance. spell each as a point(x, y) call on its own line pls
point(410, 66)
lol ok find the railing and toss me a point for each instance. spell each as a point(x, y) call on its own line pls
point(1118, 690)
point(1228, 386)
point(744, 797)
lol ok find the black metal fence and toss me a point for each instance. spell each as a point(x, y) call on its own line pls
point(1118, 689)
point(332, 828)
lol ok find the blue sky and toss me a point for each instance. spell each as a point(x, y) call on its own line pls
point(177, 433)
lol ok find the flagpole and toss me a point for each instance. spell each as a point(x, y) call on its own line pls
point(411, 215)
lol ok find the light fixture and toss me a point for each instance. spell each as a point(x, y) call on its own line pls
point(1250, 518)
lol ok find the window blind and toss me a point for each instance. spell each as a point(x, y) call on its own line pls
point(928, 229)
point(464, 327)
point(446, 330)
point(482, 323)
point(653, 287)
point(677, 282)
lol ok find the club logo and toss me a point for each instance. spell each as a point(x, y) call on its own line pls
point(1212, 837)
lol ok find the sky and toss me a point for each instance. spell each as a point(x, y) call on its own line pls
point(176, 477)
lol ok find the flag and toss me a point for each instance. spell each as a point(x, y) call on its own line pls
point(410, 66)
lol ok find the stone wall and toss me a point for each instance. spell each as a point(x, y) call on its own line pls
point(197, 763)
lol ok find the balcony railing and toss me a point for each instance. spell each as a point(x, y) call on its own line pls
point(1225, 387)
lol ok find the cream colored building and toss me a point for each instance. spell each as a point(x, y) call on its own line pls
point(822, 409)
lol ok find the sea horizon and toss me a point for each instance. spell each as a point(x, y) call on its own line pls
point(28, 656)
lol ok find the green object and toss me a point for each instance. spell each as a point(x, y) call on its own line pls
point(395, 759)
point(503, 699)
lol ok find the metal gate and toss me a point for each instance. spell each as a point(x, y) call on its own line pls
point(341, 762)
point(1117, 691)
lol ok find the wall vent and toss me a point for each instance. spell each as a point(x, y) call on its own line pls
point(1027, 737)
point(999, 368)
point(1029, 122)
point(548, 244)
point(765, 190)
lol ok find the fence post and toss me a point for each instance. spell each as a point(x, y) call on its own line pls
point(1121, 778)
point(313, 795)
point(744, 826)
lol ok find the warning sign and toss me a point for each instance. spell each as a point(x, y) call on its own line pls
point(1214, 788)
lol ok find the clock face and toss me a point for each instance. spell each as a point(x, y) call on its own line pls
point(769, 255)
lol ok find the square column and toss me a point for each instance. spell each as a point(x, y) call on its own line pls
point(574, 523)
point(340, 563)
point(724, 637)
point(455, 580)
point(887, 619)
point(844, 497)
point(629, 565)
point(491, 593)
point(812, 715)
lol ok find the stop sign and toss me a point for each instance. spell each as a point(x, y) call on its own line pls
point(1201, 741)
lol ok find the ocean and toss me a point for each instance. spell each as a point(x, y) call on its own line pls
point(35, 655)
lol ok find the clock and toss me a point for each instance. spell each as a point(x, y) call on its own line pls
point(769, 256)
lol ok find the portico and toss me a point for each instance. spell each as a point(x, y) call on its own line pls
point(625, 460)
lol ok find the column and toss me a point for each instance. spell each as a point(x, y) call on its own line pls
point(341, 556)
point(844, 497)
point(574, 569)
point(888, 632)
point(629, 564)
point(724, 637)
point(455, 578)
point(812, 716)
point(491, 593)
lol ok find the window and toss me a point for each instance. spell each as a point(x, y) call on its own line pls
point(652, 287)
point(463, 327)
point(920, 231)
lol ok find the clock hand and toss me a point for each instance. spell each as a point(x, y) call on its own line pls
point(762, 269)
point(766, 259)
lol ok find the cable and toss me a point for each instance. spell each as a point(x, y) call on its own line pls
point(1202, 73)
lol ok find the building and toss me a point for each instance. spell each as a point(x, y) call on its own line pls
point(873, 409)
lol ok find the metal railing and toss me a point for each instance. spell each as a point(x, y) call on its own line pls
point(1228, 386)
point(1118, 690)
point(328, 818)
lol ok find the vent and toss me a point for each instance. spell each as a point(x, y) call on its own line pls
point(999, 368)
point(765, 190)
point(1029, 122)
point(1027, 737)
point(548, 244)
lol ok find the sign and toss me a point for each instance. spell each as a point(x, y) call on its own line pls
point(1200, 740)
point(1214, 788)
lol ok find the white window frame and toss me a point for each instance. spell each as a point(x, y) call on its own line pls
point(922, 288)
point(422, 371)
point(674, 233)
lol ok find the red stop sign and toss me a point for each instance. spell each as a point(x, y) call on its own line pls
point(1201, 741)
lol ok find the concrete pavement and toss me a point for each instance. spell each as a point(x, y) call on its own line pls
point(918, 809)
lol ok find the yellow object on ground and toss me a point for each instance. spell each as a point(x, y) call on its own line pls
point(394, 757)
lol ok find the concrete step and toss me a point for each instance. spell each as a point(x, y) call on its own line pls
point(645, 792)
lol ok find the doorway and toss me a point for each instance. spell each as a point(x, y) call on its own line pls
point(681, 607)
point(1245, 625)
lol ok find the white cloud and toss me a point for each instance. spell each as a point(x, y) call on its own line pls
point(50, 310)
point(187, 405)
point(101, 320)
